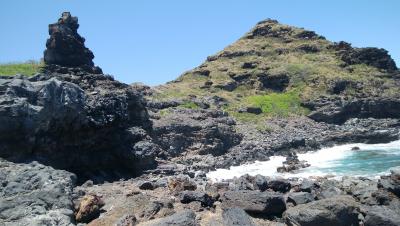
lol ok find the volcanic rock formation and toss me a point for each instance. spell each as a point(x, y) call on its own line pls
point(66, 47)
point(74, 119)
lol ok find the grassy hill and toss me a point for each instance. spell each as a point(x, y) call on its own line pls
point(26, 68)
point(277, 68)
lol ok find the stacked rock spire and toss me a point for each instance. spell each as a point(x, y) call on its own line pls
point(66, 47)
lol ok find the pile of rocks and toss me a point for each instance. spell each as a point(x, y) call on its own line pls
point(292, 163)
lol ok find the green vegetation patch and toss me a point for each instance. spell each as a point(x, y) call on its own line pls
point(27, 68)
point(278, 104)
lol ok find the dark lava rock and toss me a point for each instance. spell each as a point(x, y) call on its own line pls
point(292, 163)
point(381, 216)
point(249, 65)
point(34, 194)
point(239, 77)
point(184, 218)
point(228, 86)
point(245, 182)
point(391, 183)
point(277, 82)
point(298, 198)
point(261, 182)
point(329, 192)
point(338, 111)
point(279, 185)
point(254, 110)
point(65, 46)
point(307, 185)
point(375, 57)
point(197, 131)
point(72, 118)
point(147, 185)
point(266, 29)
point(338, 86)
point(255, 202)
point(236, 217)
point(192, 196)
point(338, 211)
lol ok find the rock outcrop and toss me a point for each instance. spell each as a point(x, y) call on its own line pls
point(338, 110)
point(66, 47)
point(370, 56)
point(34, 194)
point(195, 131)
point(339, 210)
point(73, 118)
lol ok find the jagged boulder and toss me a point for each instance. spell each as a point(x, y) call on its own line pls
point(339, 210)
point(255, 202)
point(65, 46)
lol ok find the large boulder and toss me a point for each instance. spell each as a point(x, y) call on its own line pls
point(336, 211)
point(236, 217)
point(255, 202)
point(381, 216)
point(34, 194)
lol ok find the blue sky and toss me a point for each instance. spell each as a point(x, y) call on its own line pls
point(155, 41)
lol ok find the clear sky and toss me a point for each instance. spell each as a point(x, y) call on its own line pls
point(154, 42)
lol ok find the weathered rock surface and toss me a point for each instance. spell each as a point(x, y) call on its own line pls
point(184, 218)
point(370, 56)
point(236, 217)
point(196, 132)
point(338, 110)
point(392, 182)
point(255, 202)
point(66, 47)
point(73, 118)
point(34, 194)
point(381, 216)
point(339, 210)
point(298, 198)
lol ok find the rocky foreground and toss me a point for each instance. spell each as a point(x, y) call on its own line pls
point(78, 147)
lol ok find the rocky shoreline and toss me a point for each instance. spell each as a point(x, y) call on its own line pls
point(80, 148)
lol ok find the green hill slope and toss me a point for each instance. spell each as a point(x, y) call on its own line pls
point(279, 68)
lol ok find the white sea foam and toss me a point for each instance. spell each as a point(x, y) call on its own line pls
point(323, 162)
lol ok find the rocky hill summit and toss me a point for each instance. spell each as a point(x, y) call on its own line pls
point(329, 82)
point(80, 148)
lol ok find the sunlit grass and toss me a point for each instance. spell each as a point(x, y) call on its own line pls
point(27, 68)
